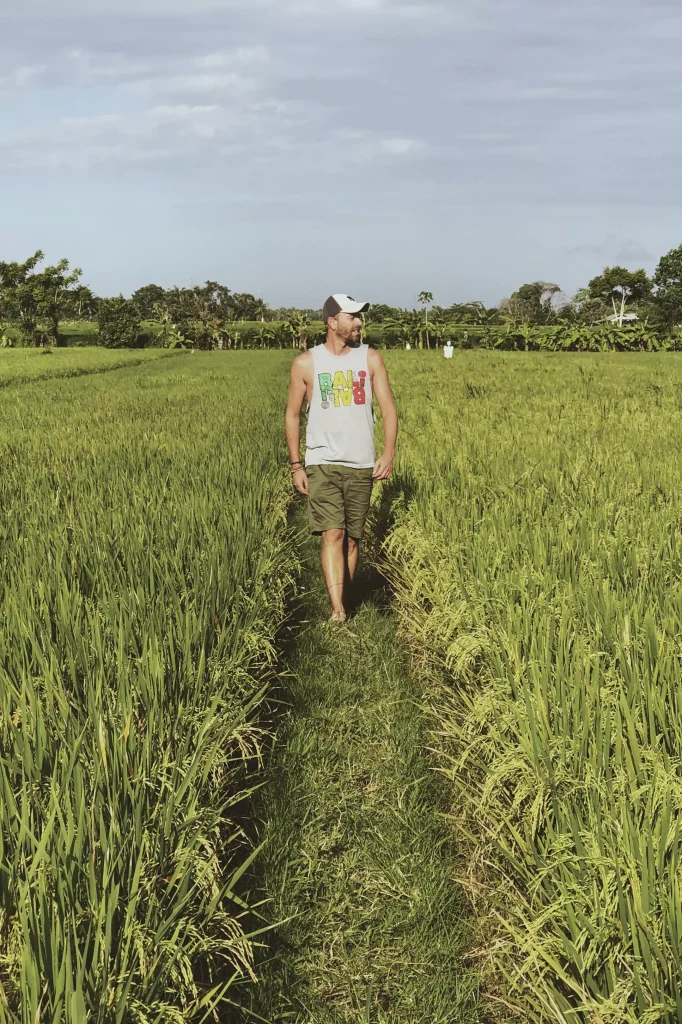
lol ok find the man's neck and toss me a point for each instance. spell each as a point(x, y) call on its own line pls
point(338, 346)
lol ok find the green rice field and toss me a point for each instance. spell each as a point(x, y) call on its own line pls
point(145, 560)
point(537, 557)
point(23, 365)
point(463, 807)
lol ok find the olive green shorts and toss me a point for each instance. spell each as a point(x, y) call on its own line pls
point(339, 498)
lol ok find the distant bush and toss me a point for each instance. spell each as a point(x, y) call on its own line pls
point(78, 333)
point(151, 335)
point(119, 323)
point(576, 337)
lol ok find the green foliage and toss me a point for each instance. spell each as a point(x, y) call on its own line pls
point(205, 317)
point(574, 336)
point(378, 313)
point(210, 301)
point(566, 335)
point(80, 303)
point(138, 636)
point(18, 301)
point(407, 326)
point(531, 304)
point(35, 301)
point(148, 298)
point(118, 321)
point(36, 306)
point(85, 333)
point(610, 292)
point(191, 315)
point(537, 559)
point(297, 328)
point(634, 285)
point(586, 310)
point(668, 282)
point(472, 313)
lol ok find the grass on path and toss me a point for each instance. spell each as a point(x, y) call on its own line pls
point(356, 853)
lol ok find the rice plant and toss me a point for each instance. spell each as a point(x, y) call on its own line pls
point(537, 557)
point(144, 567)
point(24, 365)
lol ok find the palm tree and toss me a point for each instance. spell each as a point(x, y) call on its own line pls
point(407, 325)
point(260, 308)
point(266, 336)
point(426, 298)
point(438, 325)
point(297, 326)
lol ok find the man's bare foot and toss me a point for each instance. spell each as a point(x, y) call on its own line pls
point(338, 617)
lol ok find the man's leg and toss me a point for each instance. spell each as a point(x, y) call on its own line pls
point(326, 515)
point(334, 568)
point(353, 548)
point(357, 494)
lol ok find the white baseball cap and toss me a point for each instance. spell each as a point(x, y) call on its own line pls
point(336, 304)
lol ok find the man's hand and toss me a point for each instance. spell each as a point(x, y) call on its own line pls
point(301, 375)
point(383, 468)
point(300, 478)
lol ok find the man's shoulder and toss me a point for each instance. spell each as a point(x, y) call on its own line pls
point(303, 363)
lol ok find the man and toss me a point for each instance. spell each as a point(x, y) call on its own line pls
point(338, 379)
point(448, 349)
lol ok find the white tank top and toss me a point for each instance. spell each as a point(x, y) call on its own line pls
point(340, 418)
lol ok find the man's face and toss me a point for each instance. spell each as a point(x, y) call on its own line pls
point(348, 327)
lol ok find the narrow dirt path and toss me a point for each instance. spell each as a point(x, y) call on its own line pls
point(357, 861)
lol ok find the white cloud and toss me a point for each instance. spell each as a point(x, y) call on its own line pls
point(187, 132)
point(210, 103)
point(215, 99)
point(360, 146)
point(494, 97)
point(240, 69)
point(224, 84)
point(126, 8)
point(373, 8)
point(241, 57)
point(179, 132)
point(24, 76)
point(402, 147)
point(165, 9)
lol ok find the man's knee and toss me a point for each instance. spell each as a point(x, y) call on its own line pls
point(333, 538)
point(353, 545)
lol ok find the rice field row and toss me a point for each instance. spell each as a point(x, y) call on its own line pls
point(357, 864)
point(24, 365)
point(144, 567)
point(537, 558)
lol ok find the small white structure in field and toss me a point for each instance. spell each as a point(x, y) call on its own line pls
point(408, 346)
point(623, 318)
point(448, 350)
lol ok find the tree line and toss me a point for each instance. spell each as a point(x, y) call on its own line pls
point(35, 300)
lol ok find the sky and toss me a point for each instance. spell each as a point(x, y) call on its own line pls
point(296, 148)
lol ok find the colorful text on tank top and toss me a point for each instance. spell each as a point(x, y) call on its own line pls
point(346, 387)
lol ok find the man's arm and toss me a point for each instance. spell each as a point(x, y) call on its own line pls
point(298, 387)
point(383, 467)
